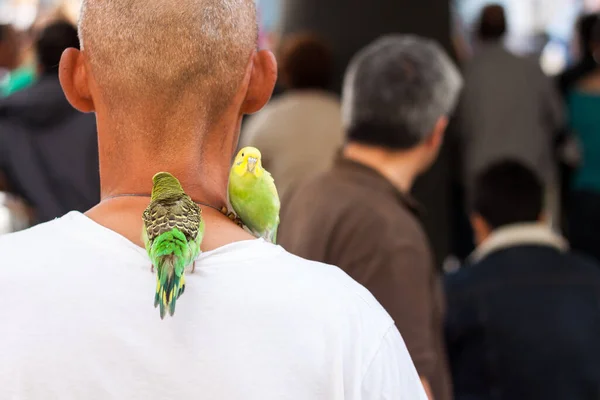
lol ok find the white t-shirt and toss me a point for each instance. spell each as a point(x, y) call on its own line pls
point(255, 322)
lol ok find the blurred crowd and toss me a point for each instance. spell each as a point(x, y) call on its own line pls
point(518, 318)
point(48, 150)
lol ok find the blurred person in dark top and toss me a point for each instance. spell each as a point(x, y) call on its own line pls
point(585, 63)
point(9, 47)
point(523, 319)
point(397, 96)
point(16, 69)
point(299, 132)
point(9, 55)
point(48, 150)
point(583, 100)
point(569, 154)
point(508, 109)
point(9, 60)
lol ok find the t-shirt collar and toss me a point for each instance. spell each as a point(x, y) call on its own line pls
point(101, 236)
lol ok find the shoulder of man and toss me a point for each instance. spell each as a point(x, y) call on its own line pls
point(398, 225)
point(26, 246)
point(373, 237)
point(583, 264)
point(329, 279)
point(473, 277)
point(360, 321)
point(323, 186)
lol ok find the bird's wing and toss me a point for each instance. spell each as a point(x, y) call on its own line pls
point(183, 214)
point(189, 224)
point(271, 184)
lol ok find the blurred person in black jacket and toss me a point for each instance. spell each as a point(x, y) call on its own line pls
point(48, 150)
point(522, 315)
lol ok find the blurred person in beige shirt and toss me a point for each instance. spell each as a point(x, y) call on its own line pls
point(300, 132)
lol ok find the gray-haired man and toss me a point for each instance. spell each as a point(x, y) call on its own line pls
point(397, 96)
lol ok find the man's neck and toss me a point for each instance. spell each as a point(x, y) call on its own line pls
point(401, 169)
point(132, 152)
point(204, 183)
point(201, 165)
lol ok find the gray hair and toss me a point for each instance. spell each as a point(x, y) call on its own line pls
point(168, 51)
point(396, 89)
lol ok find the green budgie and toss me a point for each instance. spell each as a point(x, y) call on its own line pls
point(173, 232)
point(253, 195)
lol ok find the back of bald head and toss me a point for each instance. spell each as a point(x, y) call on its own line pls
point(492, 23)
point(168, 53)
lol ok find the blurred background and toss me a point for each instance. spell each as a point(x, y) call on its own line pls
point(540, 28)
point(544, 30)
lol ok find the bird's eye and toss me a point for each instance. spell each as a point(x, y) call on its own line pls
point(242, 154)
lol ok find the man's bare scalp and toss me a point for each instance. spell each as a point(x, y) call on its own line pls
point(172, 52)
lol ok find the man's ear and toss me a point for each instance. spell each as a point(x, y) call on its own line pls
point(74, 80)
point(481, 229)
point(436, 138)
point(262, 81)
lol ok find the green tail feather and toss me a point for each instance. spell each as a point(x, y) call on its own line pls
point(169, 251)
point(160, 290)
point(169, 288)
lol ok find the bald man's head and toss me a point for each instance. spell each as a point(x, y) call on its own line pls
point(168, 51)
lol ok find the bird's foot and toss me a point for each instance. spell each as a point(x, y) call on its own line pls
point(232, 217)
point(152, 268)
point(193, 267)
point(236, 219)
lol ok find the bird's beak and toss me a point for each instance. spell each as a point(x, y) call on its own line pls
point(251, 163)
